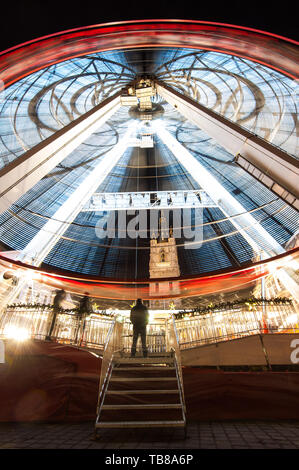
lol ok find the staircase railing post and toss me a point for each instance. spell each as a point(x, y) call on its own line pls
point(118, 336)
point(167, 336)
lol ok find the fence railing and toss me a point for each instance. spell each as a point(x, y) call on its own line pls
point(155, 337)
point(224, 325)
point(92, 331)
point(69, 327)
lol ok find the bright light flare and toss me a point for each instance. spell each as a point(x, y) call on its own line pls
point(151, 317)
point(292, 319)
point(17, 333)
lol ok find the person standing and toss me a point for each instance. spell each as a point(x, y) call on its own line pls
point(85, 309)
point(139, 317)
point(85, 305)
point(57, 306)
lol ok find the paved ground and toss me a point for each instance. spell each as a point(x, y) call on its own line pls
point(210, 435)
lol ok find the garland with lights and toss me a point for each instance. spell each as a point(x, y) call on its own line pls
point(42, 307)
point(250, 303)
point(66, 311)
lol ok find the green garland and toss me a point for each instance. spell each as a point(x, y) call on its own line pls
point(50, 307)
point(198, 311)
point(250, 303)
point(42, 307)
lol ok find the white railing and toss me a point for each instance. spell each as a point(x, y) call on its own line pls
point(238, 322)
point(95, 332)
point(69, 328)
point(92, 331)
point(35, 321)
point(155, 337)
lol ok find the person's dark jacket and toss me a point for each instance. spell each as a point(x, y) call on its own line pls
point(85, 305)
point(139, 315)
point(58, 299)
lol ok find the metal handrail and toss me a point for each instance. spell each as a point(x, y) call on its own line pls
point(105, 367)
point(181, 387)
point(223, 338)
point(173, 344)
point(111, 347)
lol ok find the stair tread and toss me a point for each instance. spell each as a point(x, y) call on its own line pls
point(142, 368)
point(139, 360)
point(145, 406)
point(138, 379)
point(146, 399)
point(149, 392)
point(108, 424)
point(149, 354)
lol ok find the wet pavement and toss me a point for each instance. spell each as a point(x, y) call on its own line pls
point(200, 435)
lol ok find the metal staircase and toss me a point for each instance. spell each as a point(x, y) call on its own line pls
point(141, 392)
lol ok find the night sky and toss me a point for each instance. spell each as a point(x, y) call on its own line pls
point(25, 20)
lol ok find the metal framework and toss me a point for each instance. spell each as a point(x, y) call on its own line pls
point(48, 236)
point(271, 166)
point(254, 97)
point(259, 239)
point(21, 175)
point(148, 200)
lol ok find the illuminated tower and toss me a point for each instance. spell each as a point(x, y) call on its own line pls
point(163, 264)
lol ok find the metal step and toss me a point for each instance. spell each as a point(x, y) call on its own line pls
point(140, 355)
point(139, 360)
point(140, 424)
point(145, 392)
point(136, 399)
point(142, 379)
point(143, 407)
point(142, 368)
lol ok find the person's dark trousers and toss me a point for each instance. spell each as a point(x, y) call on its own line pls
point(54, 315)
point(139, 330)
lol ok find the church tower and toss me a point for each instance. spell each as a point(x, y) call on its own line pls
point(163, 258)
point(163, 264)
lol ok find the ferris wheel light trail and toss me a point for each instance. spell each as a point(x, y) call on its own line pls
point(258, 238)
point(38, 248)
point(228, 204)
point(15, 181)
